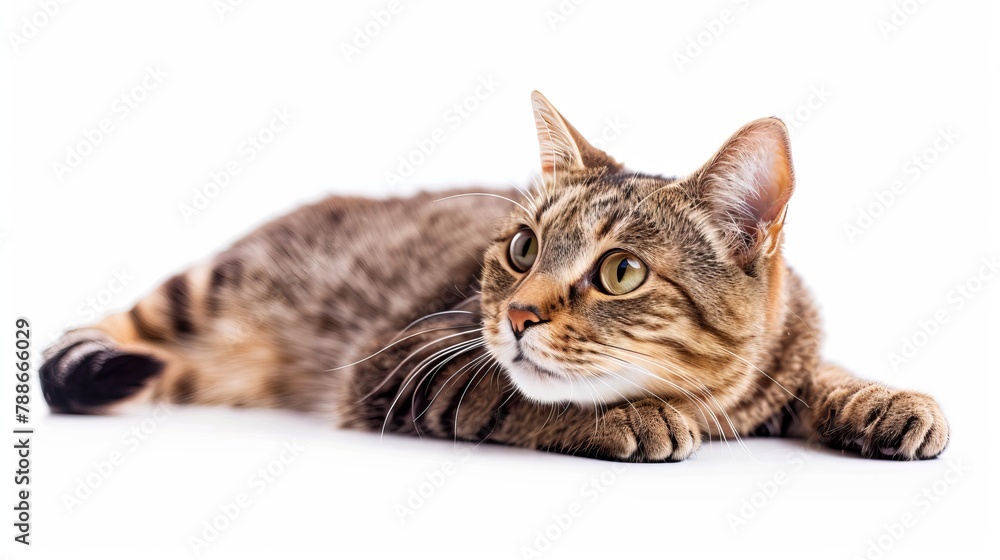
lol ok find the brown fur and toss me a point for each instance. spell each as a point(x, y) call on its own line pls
point(393, 315)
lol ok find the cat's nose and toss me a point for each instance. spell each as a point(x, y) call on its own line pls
point(521, 317)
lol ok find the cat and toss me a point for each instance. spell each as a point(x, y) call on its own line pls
point(606, 313)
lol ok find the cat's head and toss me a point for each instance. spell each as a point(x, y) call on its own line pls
point(607, 283)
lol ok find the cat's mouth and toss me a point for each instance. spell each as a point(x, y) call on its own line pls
point(537, 381)
point(533, 375)
point(540, 382)
point(523, 361)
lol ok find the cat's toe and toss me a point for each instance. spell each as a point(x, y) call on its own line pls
point(662, 433)
point(916, 421)
point(611, 438)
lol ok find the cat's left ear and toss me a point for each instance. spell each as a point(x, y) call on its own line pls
point(562, 147)
point(747, 184)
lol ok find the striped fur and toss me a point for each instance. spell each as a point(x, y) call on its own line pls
point(392, 315)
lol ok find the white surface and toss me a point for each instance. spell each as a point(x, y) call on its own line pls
point(63, 242)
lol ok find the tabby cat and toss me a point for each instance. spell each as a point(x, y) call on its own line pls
point(607, 313)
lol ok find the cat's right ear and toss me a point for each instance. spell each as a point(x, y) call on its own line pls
point(563, 149)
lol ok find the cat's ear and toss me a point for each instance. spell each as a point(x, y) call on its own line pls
point(747, 184)
point(562, 147)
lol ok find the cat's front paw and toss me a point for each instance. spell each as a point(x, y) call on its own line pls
point(646, 431)
point(881, 422)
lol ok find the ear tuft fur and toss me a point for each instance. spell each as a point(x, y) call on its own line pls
point(748, 184)
point(562, 147)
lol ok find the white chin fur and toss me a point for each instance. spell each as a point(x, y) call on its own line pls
point(544, 388)
point(541, 387)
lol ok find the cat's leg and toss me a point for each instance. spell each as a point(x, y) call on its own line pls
point(648, 430)
point(872, 418)
point(184, 342)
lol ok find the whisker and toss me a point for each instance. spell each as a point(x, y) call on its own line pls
point(390, 345)
point(432, 315)
point(812, 334)
point(482, 358)
point(684, 390)
point(412, 354)
point(526, 196)
point(446, 355)
point(606, 384)
point(450, 352)
point(747, 362)
point(708, 392)
point(601, 407)
point(495, 369)
point(428, 378)
point(687, 377)
point(699, 404)
point(458, 407)
point(494, 195)
point(695, 399)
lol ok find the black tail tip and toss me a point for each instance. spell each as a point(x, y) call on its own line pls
point(81, 375)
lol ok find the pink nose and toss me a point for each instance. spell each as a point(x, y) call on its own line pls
point(521, 318)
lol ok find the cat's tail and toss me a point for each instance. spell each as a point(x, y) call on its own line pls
point(125, 356)
point(181, 343)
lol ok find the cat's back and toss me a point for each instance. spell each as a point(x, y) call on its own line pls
point(354, 267)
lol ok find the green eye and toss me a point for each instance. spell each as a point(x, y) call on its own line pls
point(621, 272)
point(523, 250)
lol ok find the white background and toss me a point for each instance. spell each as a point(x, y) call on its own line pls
point(64, 237)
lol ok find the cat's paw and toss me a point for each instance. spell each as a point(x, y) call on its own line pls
point(885, 423)
point(86, 370)
point(646, 431)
